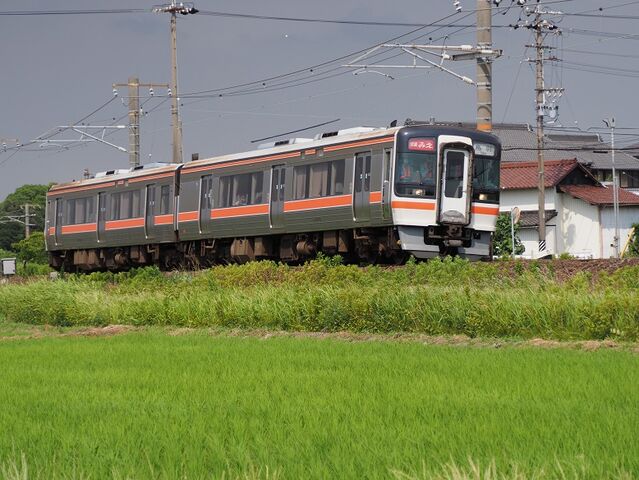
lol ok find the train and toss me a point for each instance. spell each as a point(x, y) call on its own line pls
point(371, 195)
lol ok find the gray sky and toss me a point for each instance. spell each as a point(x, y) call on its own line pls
point(57, 69)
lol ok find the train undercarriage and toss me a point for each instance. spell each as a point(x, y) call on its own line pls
point(359, 245)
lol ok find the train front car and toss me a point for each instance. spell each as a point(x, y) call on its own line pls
point(445, 196)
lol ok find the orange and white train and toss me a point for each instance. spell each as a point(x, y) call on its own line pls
point(368, 194)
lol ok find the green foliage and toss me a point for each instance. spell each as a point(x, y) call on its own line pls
point(440, 297)
point(31, 249)
point(147, 405)
point(34, 195)
point(633, 246)
point(502, 239)
point(7, 253)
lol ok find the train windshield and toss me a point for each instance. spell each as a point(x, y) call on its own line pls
point(486, 178)
point(416, 175)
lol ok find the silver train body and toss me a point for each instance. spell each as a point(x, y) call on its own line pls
point(370, 195)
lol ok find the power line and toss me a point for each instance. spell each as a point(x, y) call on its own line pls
point(26, 13)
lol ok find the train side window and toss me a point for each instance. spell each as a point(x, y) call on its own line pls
point(89, 210)
point(135, 204)
point(241, 190)
point(337, 177)
point(115, 206)
point(125, 205)
point(70, 212)
point(257, 188)
point(165, 199)
point(320, 180)
point(300, 182)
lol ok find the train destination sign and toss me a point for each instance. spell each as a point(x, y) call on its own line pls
point(422, 144)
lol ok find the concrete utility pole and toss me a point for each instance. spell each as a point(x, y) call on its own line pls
point(539, 101)
point(541, 27)
point(610, 123)
point(23, 219)
point(184, 9)
point(484, 67)
point(27, 229)
point(134, 115)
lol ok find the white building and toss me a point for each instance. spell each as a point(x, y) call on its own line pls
point(578, 209)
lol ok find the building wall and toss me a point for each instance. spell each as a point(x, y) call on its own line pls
point(530, 240)
point(580, 234)
point(627, 217)
point(525, 199)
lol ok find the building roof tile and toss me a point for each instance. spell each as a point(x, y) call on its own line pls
point(599, 195)
point(523, 175)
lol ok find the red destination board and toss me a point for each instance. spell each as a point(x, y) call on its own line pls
point(422, 144)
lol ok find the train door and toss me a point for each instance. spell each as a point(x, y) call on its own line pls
point(102, 214)
point(59, 217)
point(205, 202)
point(149, 211)
point(362, 187)
point(278, 180)
point(454, 199)
point(386, 184)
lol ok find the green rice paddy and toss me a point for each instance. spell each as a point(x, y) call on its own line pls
point(146, 404)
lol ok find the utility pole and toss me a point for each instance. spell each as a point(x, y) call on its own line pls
point(539, 101)
point(610, 123)
point(184, 9)
point(484, 67)
point(27, 224)
point(134, 114)
point(541, 27)
point(23, 219)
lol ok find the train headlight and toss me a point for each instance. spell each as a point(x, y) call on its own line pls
point(483, 197)
point(485, 149)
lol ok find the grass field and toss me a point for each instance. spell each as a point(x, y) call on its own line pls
point(499, 299)
point(146, 404)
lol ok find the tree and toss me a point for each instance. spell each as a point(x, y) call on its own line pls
point(633, 245)
point(31, 249)
point(12, 232)
point(502, 240)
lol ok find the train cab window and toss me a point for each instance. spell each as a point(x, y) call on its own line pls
point(416, 175)
point(165, 199)
point(486, 179)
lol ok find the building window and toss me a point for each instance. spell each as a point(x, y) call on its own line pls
point(239, 190)
point(629, 179)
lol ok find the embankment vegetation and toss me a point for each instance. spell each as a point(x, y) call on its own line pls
point(499, 299)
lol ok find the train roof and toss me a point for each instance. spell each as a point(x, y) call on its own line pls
point(354, 135)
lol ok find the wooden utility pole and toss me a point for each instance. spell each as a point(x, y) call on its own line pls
point(134, 115)
point(484, 67)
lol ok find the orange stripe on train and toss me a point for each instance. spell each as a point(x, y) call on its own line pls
point(260, 209)
point(80, 228)
point(166, 219)
point(412, 205)
point(121, 224)
point(313, 203)
point(188, 216)
point(479, 209)
point(375, 197)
